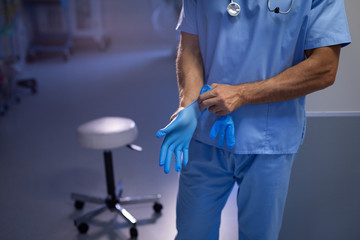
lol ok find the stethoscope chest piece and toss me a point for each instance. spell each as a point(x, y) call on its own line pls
point(233, 9)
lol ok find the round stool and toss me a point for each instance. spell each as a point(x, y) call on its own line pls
point(105, 134)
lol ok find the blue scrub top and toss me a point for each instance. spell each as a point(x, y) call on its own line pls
point(257, 45)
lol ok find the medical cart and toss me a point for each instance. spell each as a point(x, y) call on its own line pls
point(87, 22)
point(13, 49)
point(50, 27)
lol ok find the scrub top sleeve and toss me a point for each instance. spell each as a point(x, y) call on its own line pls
point(327, 24)
point(187, 19)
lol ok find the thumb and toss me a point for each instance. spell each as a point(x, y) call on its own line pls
point(162, 132)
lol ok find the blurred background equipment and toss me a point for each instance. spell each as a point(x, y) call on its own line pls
point(13, 48)
point(87, 22)
point(49, 23)
point(165, 14)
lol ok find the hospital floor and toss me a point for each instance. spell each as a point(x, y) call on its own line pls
point(42, 162)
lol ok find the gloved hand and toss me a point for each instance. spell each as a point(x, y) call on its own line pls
point(178, 134)
point(224, 126)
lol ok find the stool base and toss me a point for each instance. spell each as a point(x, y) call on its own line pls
point(114, 205)
point(113, 202)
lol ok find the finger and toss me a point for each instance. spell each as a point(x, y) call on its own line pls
point(168, 128)
point(214, 109)
point(185, 156)
point(207, 95)
point(222, 136)
point(208, 103)
point(230, 136)
point(214, 85)
point(201, 108)
point(169, 156)
point(221, 113)
point(178, 160)
point(215, 129)
point(163, 152)
point(160, 134)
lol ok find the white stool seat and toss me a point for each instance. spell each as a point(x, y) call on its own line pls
point(107, 133)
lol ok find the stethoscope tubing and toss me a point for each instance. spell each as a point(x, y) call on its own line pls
point(277, 9)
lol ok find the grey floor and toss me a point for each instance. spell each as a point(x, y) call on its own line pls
point(42, 163)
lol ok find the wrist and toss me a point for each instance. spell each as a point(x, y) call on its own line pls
point(189, 95)
point(184, 102)
point(176, 113)
point(242, 91)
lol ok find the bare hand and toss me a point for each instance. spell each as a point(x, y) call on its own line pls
point(222, 100)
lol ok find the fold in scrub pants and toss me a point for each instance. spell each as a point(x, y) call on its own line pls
point(207, 181)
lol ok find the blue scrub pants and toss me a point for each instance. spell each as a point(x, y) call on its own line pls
point(207, 181)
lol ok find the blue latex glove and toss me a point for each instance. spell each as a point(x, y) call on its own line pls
point(224, 126)
point(205, 88)
point(178, 134)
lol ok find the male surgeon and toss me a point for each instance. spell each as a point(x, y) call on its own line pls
point(258, 59)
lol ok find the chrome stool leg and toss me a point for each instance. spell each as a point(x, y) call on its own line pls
point(113, 201)
point(81, 222)
point(129, 218)
point(140, 199)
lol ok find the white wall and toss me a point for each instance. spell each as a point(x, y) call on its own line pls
point(344, 95)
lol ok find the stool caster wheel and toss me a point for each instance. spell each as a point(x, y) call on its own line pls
point(157, 207)
point(133, 232)
point(79, 205)
point(83, 228)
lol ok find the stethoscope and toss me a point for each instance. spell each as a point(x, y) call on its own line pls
point(234, 9)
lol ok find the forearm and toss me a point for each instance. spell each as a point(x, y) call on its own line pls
point(315, 73)
point(189, 69)
point(318, 71)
